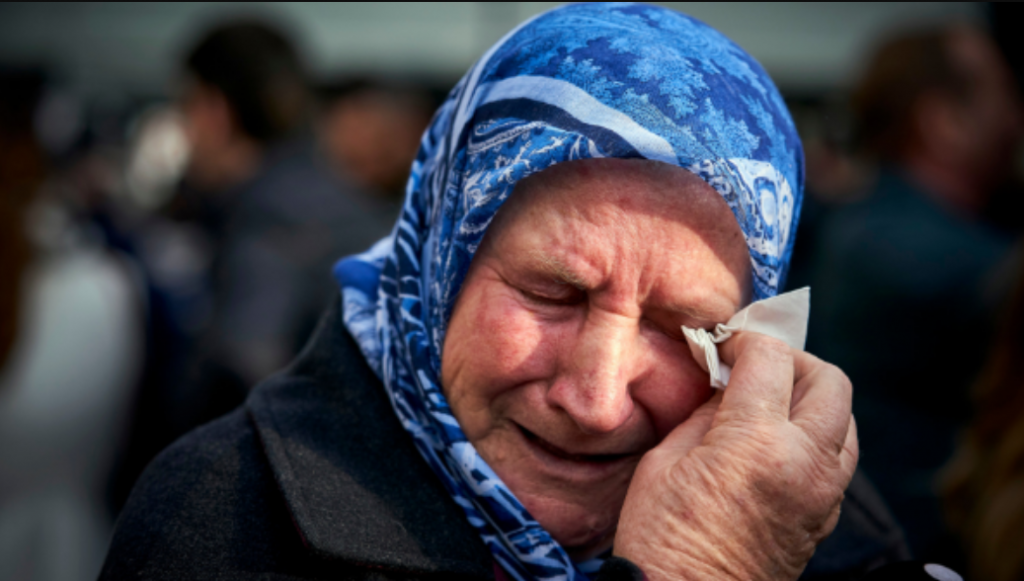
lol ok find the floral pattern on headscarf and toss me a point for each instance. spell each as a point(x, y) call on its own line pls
point(582, 81)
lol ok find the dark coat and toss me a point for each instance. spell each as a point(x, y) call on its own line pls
point(315, 478)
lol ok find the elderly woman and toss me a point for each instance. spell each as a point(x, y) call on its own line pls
point(504, 390)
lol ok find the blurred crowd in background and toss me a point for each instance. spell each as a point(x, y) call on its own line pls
point(163, 251)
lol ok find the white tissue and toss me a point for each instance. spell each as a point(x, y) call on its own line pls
point(783, 317)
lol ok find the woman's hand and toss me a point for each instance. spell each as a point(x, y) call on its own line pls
point(750, 484)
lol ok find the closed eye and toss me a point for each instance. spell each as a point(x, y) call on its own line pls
point(673, 332)
point(570, 298)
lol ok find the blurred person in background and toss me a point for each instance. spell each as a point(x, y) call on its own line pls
point(275, 213)
point(242, 261)
point(70, 353)
point(22, 170)
point(984, 483)
point(907, 281)
point(371, 131)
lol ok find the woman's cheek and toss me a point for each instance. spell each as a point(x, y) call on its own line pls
point(676, 387)
point(519, 344)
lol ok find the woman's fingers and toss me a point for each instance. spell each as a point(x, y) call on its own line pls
point(851, 450)
point(823, 403)
point(773, 381)
point(780, 438)
point(761, 383)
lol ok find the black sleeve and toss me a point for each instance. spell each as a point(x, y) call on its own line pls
point(619, 569)
point(866, 537)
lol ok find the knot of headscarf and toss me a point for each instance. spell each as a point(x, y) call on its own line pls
point(582, 81)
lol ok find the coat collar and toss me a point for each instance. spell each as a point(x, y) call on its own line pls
point(354, 483)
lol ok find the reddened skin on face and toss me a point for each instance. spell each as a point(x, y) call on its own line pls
point(564, 361)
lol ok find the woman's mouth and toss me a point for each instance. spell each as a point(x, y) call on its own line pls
point(557, 452)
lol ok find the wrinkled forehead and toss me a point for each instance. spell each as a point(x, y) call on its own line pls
point(631, 209)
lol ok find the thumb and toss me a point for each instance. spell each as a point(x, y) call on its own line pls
point(690, 434)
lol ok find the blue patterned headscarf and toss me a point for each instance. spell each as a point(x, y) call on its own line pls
point(582, 81)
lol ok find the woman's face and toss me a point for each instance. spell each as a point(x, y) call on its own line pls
point(564, 361)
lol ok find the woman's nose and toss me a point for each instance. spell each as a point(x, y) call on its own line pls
point(595, 374)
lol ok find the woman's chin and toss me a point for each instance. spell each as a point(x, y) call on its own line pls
point(578, 503)
point(583, 531)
